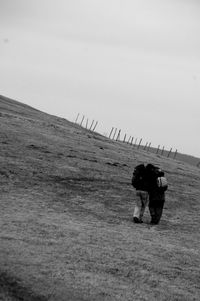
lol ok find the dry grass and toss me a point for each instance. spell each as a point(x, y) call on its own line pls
point(66, 217)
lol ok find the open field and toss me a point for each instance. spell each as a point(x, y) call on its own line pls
point(66, 217)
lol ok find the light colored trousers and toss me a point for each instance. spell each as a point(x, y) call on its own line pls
point(142, 199)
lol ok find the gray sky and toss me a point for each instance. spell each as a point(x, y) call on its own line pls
point(131, 64)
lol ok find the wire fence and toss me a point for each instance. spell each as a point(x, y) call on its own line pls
point(116, 135)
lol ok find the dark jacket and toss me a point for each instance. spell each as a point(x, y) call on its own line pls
point(156, 197)
point(156, 194)
point(140, 181)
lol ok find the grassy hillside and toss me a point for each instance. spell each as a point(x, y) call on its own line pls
point(178, 156)
point(66, 217)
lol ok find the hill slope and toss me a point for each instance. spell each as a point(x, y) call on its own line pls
point(66, 217)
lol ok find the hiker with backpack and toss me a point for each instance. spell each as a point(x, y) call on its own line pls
point(140, 183)
point(157, 185)
point(150, 184)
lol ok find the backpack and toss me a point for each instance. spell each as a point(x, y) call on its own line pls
point(157, 177)
point(138, 175)
point(162, 182)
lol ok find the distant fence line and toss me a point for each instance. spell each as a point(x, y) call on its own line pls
point(90, 127)
point(137, 142)
point(115, 134)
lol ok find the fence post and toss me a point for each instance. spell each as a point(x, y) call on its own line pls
point(139, 143)
point(114, 133)
point(162, 150)
point(95, 126)
point(129, 140)
point(87, 123)
point(91, 124)
point(111, 132)
point(149, 146)
point(157, 149)
point(169, 152)
point(118, 135)
point(175, 154)
point(77, 118)
point(124, 138)
point(132, 140)
point(82, 120)
point(145, 146)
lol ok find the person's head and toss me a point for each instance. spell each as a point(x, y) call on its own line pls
point(141, 167)
point(152, 169)
point(150, 166)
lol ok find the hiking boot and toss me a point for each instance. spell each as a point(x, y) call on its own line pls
point(137, 220)
point(154, 223)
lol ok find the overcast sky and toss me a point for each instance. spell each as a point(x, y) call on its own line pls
point(129, 64)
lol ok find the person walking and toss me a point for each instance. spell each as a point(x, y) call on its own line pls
point(139, 182)
point(156, 190)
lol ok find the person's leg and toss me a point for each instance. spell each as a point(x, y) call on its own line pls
point(158, 211)
point(152, 211)
point(137, 209)
point(144, 202)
